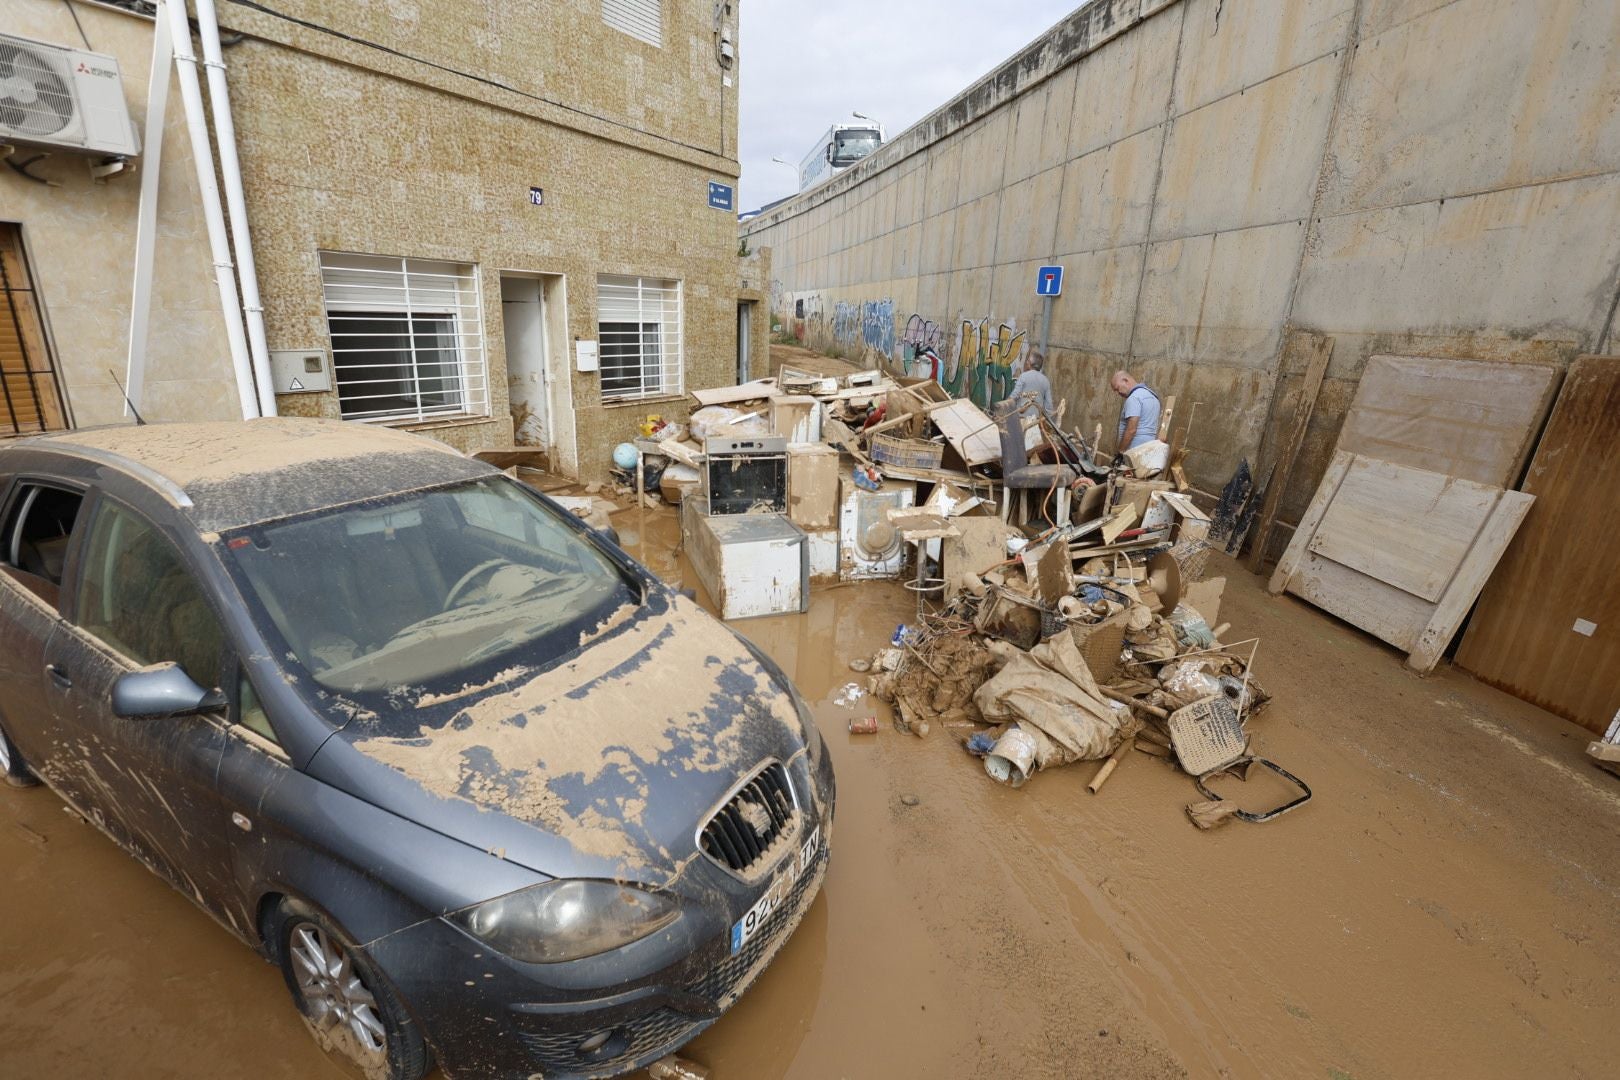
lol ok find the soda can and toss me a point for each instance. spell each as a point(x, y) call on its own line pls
point(869, 726)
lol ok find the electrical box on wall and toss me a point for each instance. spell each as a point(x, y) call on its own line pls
point(300, 371)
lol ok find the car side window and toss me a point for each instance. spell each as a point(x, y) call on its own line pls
point(136, 595)
point(251, 714)
point(35, 536)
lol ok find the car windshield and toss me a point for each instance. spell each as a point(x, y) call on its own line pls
point(406, 591)
point(850, 146)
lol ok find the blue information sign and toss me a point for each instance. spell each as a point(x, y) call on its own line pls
point(720, 195)
point(1049, 281)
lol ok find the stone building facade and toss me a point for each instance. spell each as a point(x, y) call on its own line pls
point(492, 222)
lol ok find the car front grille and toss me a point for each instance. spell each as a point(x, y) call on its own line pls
point(723, 982)
point(743, 835)
point(662, 1029)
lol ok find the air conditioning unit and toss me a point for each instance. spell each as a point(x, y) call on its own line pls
point(63, 99)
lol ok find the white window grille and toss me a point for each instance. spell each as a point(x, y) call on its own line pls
point(407, 337)
point(639, 327)
point(642, 19)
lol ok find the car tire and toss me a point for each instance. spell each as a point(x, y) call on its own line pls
point(13, 769)
point(349, 1009)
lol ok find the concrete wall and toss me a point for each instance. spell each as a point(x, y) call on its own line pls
point(1407, 176)
point(79, 235)
point(417, 129)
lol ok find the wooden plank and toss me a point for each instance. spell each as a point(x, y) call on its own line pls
point(1524, 636)
point(726, 395)
point(1297, 548)
point(1382, 610)
point(1470, 579)
point(1473, 419)
point(1168, 413)
point(1403, 526)
point(1319, 352)
point(966, 427)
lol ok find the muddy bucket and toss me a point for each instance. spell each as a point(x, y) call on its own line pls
point(1012, 759)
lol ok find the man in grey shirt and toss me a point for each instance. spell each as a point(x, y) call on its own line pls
point(1139, 417)
point(1031, 381)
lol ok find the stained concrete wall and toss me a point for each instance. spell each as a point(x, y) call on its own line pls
point(1407, 176)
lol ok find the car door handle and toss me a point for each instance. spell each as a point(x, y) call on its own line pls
point(61, 678)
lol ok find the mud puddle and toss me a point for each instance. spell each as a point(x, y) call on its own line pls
point(1446, 906)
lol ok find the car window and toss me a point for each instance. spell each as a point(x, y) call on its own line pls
point(393, 593)
point(251, 714)
point(35, 537)
point(136, 595)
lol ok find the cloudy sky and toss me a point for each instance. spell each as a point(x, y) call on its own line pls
point(805, 65)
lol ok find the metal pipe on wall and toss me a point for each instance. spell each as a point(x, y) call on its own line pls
point(213, 212)
point(140, 307)
point(230, 167)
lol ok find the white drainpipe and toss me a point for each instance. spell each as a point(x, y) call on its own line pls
point(230, 167)
point(213, 214)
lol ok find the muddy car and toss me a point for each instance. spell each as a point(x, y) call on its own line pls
point(488, 792)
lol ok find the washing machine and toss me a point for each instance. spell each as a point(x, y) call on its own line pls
point(869, 545)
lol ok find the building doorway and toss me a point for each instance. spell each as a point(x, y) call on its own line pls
point(30, 400)
point(745, 340)
point(534, 314)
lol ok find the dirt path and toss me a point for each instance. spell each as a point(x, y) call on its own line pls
point(1445, 907)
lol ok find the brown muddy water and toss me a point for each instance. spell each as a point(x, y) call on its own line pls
point(1448, 905)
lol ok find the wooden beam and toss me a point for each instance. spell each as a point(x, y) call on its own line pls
point(1320, 351)
point(1469, 580)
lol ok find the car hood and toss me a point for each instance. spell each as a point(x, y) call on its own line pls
point(604, 764)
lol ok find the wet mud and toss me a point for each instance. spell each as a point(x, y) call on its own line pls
point(1446, 906)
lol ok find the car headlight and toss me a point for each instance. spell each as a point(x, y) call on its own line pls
point(812, 734)
point(566, 920)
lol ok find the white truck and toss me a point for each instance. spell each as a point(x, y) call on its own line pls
point(842, 146)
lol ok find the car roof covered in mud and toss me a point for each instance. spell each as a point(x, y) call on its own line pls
point(226, 474)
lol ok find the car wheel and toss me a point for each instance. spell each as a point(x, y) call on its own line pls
point(348, 1008)
point(12, 767)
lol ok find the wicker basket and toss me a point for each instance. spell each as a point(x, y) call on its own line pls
point(907, 453)
point(1100, 645)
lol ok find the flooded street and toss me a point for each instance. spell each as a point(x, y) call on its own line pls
point(1445, 906)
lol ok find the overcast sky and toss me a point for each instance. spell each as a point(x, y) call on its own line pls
point(805, 65)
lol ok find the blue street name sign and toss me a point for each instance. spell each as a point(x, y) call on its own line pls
point(720, 195)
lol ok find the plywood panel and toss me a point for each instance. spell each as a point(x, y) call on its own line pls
point(1403, 526)
point(1472, 419)
point(1563, 566)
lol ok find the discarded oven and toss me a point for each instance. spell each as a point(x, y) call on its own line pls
point(745, 475)
point(751, 564)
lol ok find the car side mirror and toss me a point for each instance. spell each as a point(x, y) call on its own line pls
point(162, 691)
point(610, 534)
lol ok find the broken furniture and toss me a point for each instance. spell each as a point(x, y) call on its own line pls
point(1208, 739)
point(1017, 474)
point(751, 564)
point(1399, 551)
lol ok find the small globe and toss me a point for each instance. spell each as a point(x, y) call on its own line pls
point(624, 456)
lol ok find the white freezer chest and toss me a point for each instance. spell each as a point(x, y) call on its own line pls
point(751, 564)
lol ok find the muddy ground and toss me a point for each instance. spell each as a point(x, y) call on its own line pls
point(1447, 906)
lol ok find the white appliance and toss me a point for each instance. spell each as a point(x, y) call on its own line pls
point(751, 564)
point(63, 99)
point(869, 544)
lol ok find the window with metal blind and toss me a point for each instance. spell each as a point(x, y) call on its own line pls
point(642, 19)
point(407, 337)
point(30, 400)
point(639, 331)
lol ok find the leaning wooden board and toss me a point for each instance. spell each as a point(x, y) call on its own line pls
point(1400, 552)
point(1547, 628)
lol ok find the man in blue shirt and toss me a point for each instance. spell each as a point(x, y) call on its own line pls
point(1139, 417)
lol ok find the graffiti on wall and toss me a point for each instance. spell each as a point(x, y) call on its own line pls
point(922, 348)
point(986, 364)
point(868, 324)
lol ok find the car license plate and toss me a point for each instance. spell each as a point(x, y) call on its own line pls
point(775, 896)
